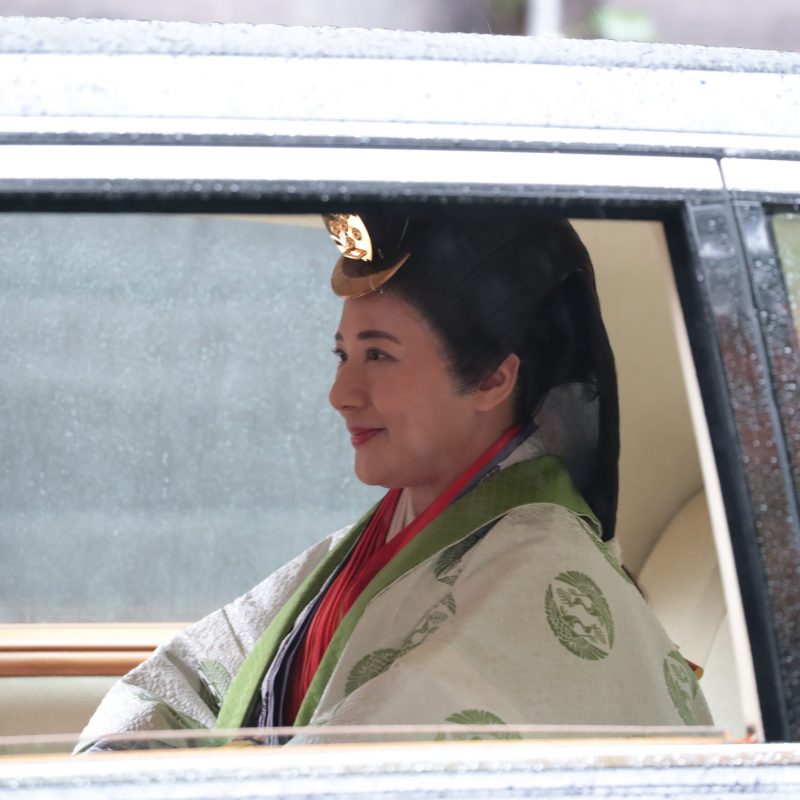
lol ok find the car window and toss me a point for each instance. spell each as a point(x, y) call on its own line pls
point(170, 442)
point(167, 440)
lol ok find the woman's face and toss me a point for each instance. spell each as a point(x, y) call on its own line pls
point(408, 424)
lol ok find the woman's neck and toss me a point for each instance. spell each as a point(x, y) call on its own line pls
point(420, 497)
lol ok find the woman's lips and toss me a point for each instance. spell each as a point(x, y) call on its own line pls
point(359, 436)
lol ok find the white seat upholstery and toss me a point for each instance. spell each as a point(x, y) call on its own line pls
point(682, 582)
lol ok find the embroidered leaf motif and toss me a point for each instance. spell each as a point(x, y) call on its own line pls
point(378, 661)
point(449, 559)
point(372, 665)
point(437, 618)
point(681, 685)
point(580, 618)
point(601, 636)
point(477, 716)
point(176, 719)
point(217, 679)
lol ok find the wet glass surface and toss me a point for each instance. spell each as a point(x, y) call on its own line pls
point(166, 436)
point(776, 273)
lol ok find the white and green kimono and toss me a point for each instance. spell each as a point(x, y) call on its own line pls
point(507, 608)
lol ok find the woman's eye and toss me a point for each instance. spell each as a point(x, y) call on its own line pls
point(340, 354)
point(376, 355)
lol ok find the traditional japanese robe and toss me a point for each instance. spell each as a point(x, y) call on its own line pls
point(507, 608)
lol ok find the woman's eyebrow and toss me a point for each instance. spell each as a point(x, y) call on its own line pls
point(374, 334)
point(371, 334)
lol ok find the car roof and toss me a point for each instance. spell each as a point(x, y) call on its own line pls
point(400, 86)
point(45, 35)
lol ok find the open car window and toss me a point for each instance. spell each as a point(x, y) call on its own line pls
point(165, 378)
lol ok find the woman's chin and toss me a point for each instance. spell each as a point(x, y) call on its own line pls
point(373, 474)
point(370, 477)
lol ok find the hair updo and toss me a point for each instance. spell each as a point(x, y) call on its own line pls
point(523, 297)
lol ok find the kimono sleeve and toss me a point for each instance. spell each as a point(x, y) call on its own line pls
point(182, 685)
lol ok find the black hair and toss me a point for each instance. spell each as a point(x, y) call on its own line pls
point(482, 309)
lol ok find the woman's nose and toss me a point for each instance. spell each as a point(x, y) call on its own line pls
point(348, 390)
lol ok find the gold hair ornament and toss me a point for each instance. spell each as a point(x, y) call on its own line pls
point(361, 268)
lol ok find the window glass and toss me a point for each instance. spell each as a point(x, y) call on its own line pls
point(168, 442)
point(166, 438)
point(786, 228)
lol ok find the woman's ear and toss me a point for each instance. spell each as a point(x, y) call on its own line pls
point(499, 385)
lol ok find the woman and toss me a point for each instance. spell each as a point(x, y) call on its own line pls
point(477, 384)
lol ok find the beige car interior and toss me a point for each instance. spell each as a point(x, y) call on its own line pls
point(667, 487)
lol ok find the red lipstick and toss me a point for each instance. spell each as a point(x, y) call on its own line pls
point(359, 436)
